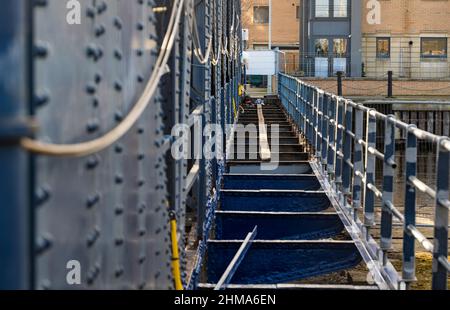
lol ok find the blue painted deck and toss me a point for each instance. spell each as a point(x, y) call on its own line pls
point(300, 235)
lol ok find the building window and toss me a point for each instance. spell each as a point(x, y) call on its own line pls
point(383, 47)
point(297, 12)
point(340, 8)
point(434, 48)
point(340, 48)
point(261, 15)
point(333, 8)
point(322, 8)
point(321, 46)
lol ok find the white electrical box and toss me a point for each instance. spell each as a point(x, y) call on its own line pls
point(244, 34)
point(260, 62)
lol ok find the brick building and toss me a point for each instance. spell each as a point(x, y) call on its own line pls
point(411, 39)
point(359, 37)
point(285, 27)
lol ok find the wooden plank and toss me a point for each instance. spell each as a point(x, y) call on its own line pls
point(264, 149)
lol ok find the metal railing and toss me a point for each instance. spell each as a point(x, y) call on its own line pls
point(342, 135)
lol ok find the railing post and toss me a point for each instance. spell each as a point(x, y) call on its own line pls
point(339, 142)
point(310, 115)
point(390, 84)
point(298, 98)
point(339, 83)
point(441, 218)
point(388, 186)
point(326, 99)
point(369, 195)
point(358, 169)
point(319, 127)
point(314, 110)
point(409, 256)
point(331, 157)
point(346, 170)
point(293, 97)
point(301, 111)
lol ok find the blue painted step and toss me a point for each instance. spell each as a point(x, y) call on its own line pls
point(232, 225)
point(291, 167)
point(272, 262)
point(274, 200)
point(261, 181)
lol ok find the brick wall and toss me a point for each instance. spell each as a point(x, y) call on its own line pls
point(410, 17)
point(285, 25)
point(406, 21)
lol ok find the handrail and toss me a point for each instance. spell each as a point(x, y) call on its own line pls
point(99, 144)
point(343, 135)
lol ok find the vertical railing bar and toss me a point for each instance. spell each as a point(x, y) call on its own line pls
point(314, 113)
point(369, 195)
point(325, 129)
point(409, 252)
point(440, 272)
point(319, 127)
point(346, 173)
point(388, 188)
point(331, 139)
point(339, 143)
point(358, 163)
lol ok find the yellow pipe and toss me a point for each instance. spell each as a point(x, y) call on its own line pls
point(175, 255)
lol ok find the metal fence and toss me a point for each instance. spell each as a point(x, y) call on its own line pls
point(323, 65)
point(343, 137)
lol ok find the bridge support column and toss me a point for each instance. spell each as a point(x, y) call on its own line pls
point(15, 212)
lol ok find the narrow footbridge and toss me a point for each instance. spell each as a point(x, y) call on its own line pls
point(295, 231)
point(104, 184)
point(297, 224)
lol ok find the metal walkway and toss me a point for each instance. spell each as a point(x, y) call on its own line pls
point(296, 222)
point(89, 181)
point(285, 211)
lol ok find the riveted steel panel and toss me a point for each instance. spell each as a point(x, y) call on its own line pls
point(109, 210)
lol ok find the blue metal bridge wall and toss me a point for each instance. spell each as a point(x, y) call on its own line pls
point(109, 211)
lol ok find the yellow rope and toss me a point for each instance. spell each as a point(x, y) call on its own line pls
point(175, 255)
point(234, 108)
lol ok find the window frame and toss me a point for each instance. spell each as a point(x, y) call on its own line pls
point(331, 11)
point(322, 17)
point(260, 6)
point(379, 56)
point(422, 56)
